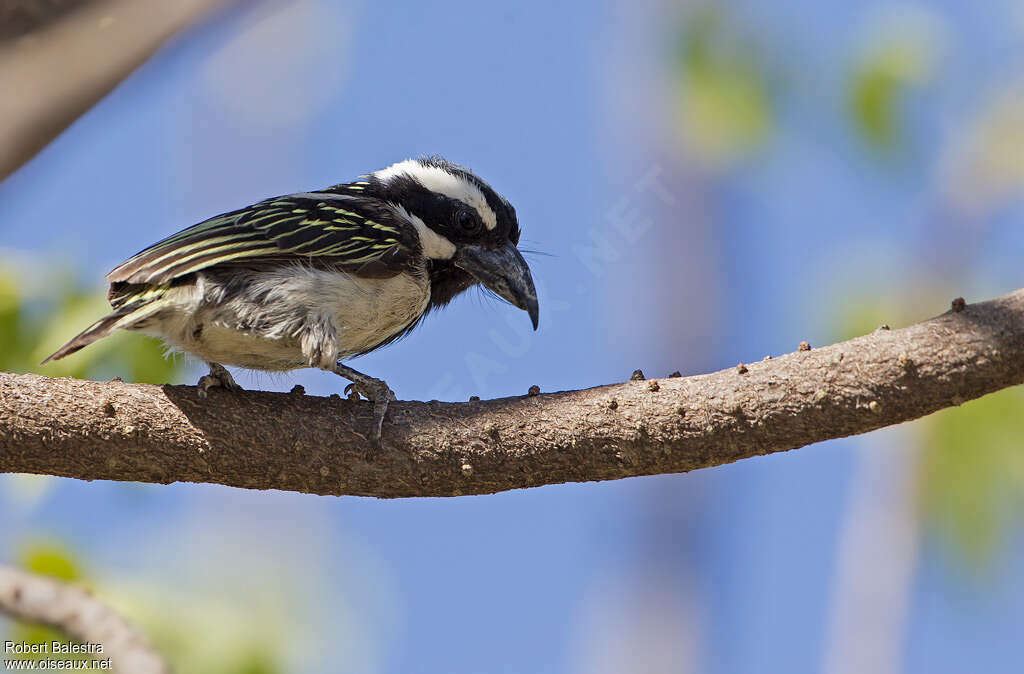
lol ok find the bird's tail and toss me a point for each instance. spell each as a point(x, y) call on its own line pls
point(123, 317)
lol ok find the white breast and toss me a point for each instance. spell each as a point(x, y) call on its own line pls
point(367, 311)
point(261, 323)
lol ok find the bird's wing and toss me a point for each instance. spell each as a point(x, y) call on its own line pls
point(348, 231)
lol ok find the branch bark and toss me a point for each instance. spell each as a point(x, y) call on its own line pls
point(79, 615)
point(259, 440)
point(53, 75)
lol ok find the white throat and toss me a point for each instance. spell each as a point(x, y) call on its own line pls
point(435, 246)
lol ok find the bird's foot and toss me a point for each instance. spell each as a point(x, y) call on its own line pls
point(375, 390)
point(219, 377)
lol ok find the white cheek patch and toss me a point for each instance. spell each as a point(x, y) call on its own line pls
point(438, 180)
point(435, 246)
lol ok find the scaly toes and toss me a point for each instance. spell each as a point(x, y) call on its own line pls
point(373, 390)
point(218, 378)
point(226, 380)
point(205, 383)
point(380, 394)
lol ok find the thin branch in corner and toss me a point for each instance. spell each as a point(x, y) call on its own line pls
point(79, 615)
point(259, 440)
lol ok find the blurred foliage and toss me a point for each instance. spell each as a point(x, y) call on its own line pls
point(985, 169)
point(972, 472)
point(876, 87)
point(50, 558)
point(857, 317)
point(55, 560)
point(36, 321)
point(722, 95)
point(197, 634)
point(206, 638)
point(901, 57)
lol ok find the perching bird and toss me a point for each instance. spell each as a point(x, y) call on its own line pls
point(310, 279)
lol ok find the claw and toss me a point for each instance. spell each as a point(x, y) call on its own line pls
point(219, 377)
point(382, 397)
point(375, 390)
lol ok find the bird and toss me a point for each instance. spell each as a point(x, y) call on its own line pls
point(312, 279)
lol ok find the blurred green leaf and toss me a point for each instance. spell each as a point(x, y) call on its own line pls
point(55, 560)
point(873, 96)
point(876, 88)
point(256, 661)
point(900, 58)
point(723, 103)
point(50, 558)
point(972, 472)
point(855, 318)
point(40, 634)
point(148, 362)
point(34, 325)
point(13, 345)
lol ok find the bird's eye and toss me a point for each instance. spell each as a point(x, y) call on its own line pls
point(467, 222)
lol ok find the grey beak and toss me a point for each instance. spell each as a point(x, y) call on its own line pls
point(505, 272)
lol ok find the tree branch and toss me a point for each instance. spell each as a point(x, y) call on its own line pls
point(53, 75)
point(79, 615)
point(259, 440)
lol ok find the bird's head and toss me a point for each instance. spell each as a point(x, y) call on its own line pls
point(467, 230)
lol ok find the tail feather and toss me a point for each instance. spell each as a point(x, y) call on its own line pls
point(103, 327)
point(97, 330)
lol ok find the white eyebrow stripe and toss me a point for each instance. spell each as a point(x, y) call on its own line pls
point(435, 246)
point(438, 180)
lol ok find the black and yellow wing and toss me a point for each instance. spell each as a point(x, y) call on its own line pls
point(351, 232)
point(339, 227)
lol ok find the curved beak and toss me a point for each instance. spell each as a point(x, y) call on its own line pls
point(505, 272)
